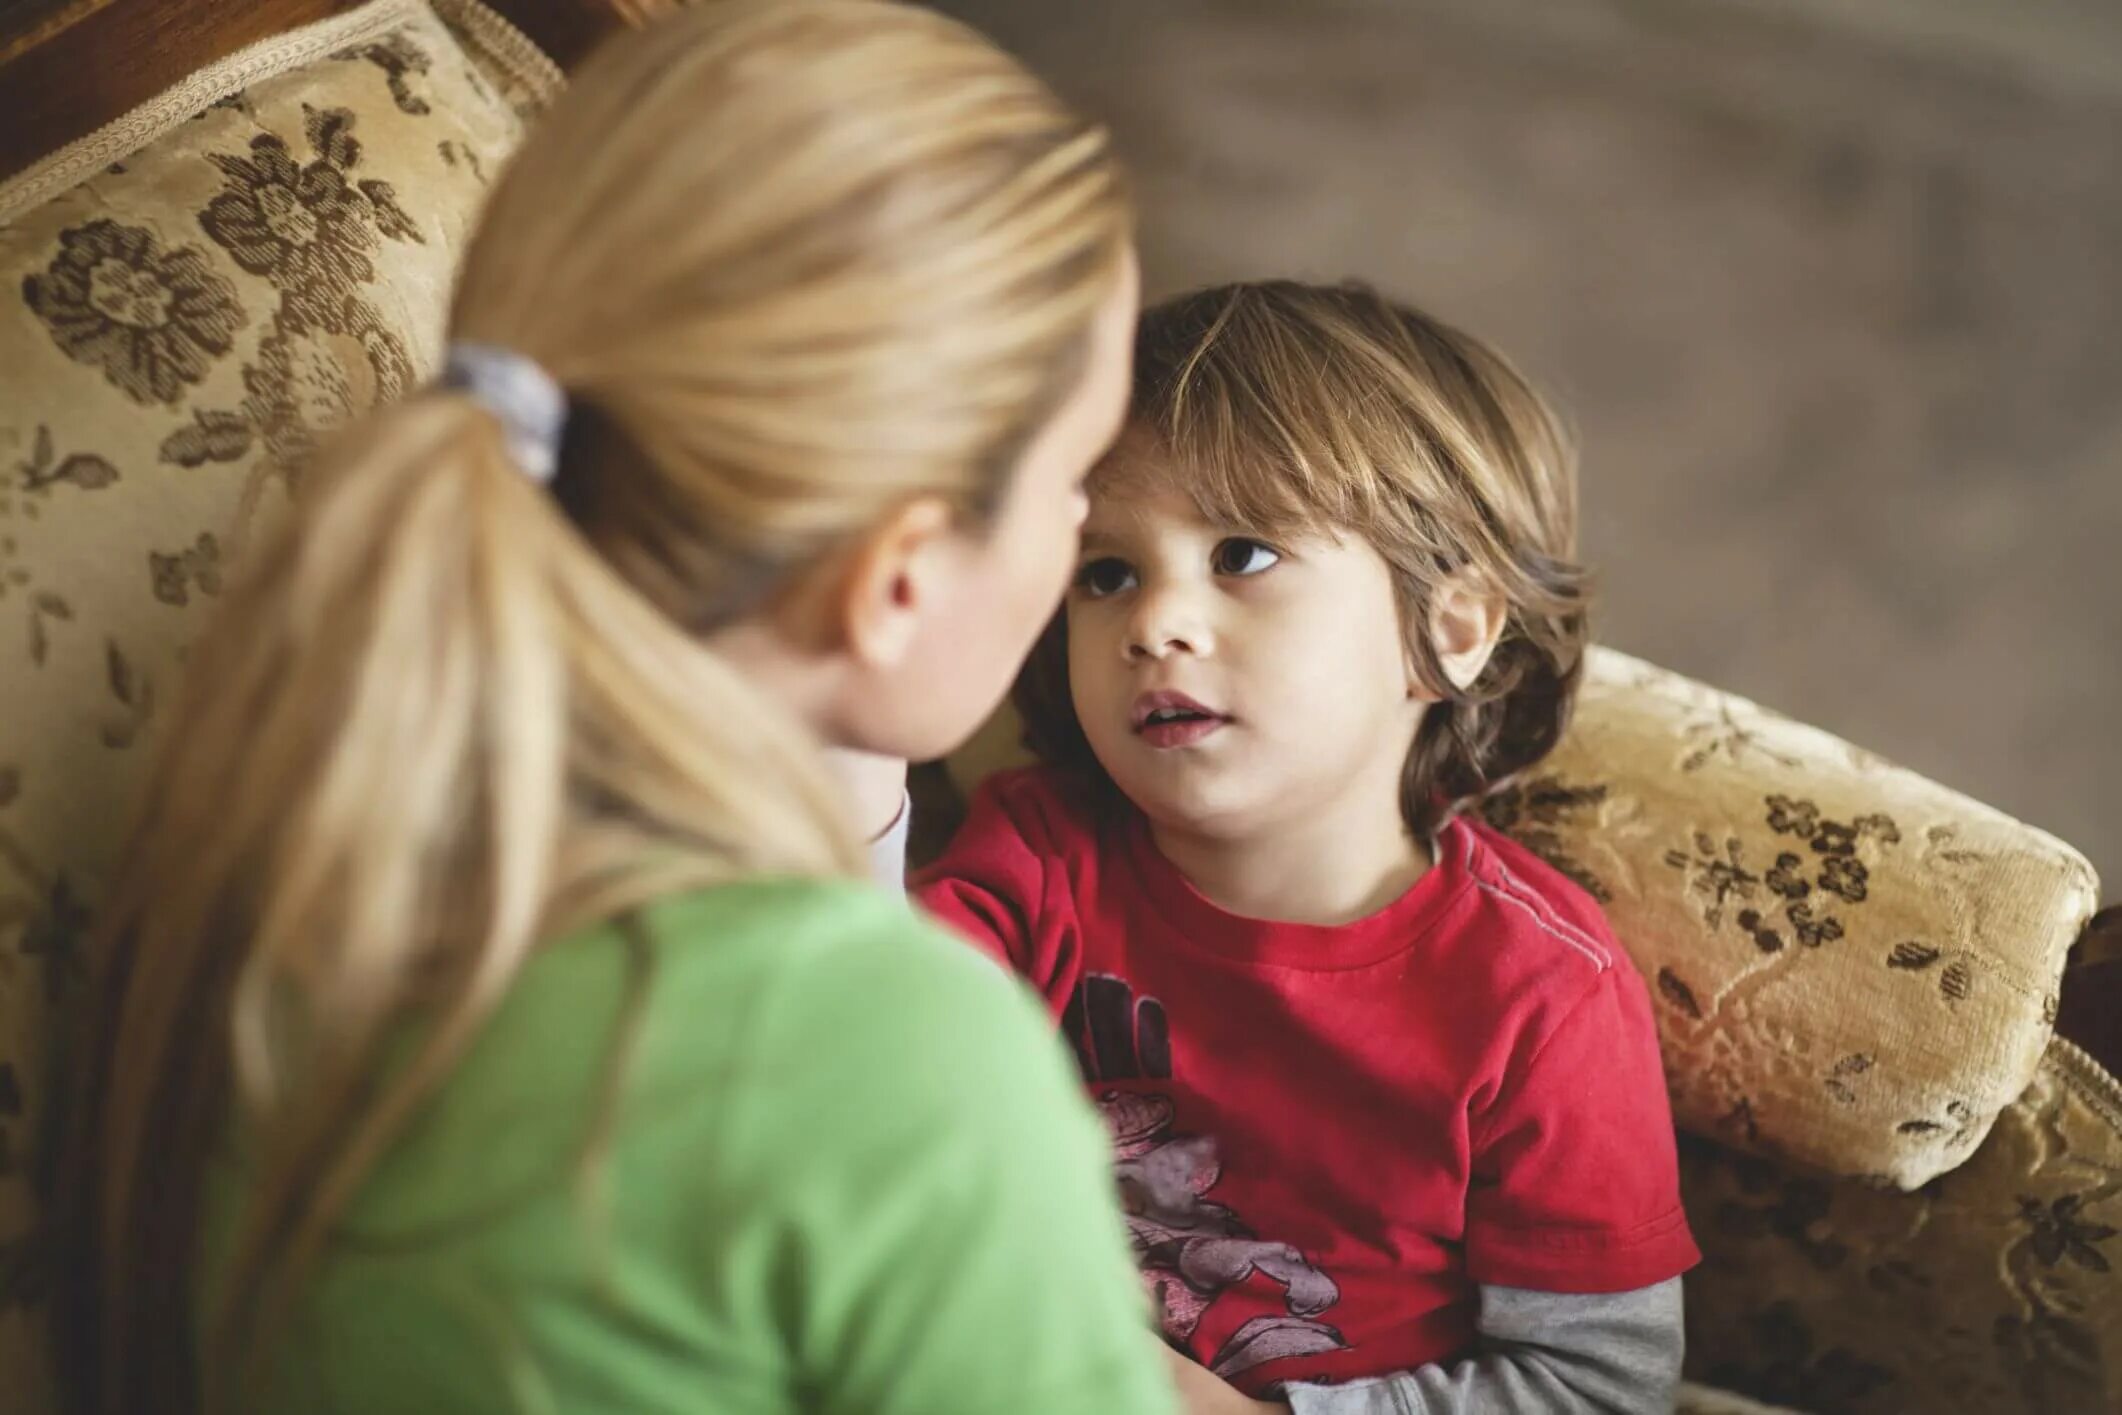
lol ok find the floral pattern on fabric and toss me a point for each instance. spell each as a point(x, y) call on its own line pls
point(1990, 1288)
point(153, 319)
point(176, 575)
point(401, 61)
point(190, 320)
point(310, 228)
point(307, 382)
point(1811, 920)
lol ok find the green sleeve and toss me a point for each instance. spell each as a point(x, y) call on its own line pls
point(954, 1242)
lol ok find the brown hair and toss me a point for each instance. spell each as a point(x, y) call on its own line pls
point(793, 262)
point(1278, 407)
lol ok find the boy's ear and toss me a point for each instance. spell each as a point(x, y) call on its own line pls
point(888, 580)
point(1466, 621)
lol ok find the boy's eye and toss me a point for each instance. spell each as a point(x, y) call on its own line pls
point(1240, 556)
point(1105, 576)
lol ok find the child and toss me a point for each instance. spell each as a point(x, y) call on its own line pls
point(1386, 1096)
point(486, 1020)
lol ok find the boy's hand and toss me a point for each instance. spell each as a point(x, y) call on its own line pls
point(1203, 1392)
point(875, 787)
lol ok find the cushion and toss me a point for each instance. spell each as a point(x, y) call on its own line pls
point(187, 298)
point(1853, 968)
point(1991, 1288)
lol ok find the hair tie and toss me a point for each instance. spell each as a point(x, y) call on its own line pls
point(524, 399)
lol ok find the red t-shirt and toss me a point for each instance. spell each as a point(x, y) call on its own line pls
point(1327, 1136)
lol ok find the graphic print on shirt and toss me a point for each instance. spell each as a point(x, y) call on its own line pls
point(1117, 1037)
point(1190, 1249)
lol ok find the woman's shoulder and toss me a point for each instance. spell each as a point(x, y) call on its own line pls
point(829, 1022)
point(845, 984)
point(803, 933)
point(795, 1012)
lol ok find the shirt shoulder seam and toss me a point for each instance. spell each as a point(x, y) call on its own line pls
point(1515, 892)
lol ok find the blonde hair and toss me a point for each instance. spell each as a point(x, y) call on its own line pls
point(1280, 407)
point(794, 262)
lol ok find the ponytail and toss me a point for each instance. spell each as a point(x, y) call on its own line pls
point(360, 825)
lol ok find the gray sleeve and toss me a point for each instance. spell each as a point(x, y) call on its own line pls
point(1557, 1352)
point(887, 853)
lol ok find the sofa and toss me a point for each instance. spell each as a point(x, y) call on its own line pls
point(1886, 1010)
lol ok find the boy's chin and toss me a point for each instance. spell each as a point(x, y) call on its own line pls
point(1213, 809)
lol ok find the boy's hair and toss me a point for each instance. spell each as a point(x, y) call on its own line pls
point(1282, 408)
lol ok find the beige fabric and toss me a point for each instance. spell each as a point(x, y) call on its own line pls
point(1990, 1289)
point(59, 171)
point(1853, 968)
point(186, 300)
point(521, 74)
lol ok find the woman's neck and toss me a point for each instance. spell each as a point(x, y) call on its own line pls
point(1328, 867)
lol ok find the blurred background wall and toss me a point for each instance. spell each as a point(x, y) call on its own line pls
point(1831, 288)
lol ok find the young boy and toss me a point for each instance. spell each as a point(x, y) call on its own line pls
point(1385, 1094)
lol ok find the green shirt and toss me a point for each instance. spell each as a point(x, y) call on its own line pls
point(851, 1171)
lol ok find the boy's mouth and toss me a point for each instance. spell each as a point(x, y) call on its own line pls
point(1168, 719)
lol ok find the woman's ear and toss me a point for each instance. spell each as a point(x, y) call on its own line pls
point(890, 579)
point(1466, 621)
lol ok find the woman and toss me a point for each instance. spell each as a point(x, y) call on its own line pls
point(489, 1020)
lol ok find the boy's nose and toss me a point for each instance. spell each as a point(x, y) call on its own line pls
point(1164, 623)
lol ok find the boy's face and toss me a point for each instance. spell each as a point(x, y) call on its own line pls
point(1231, 683)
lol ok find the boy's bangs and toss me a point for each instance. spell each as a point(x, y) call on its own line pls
point(1244, 485)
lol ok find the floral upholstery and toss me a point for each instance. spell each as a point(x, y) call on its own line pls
point(1854, 968)
point(187, 300)
point(1992, 1288)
